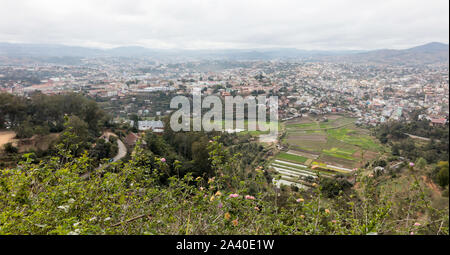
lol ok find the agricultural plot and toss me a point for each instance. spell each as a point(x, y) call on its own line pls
point(292, 158)
point(340, 153)
point(352, 137)
point(262, 128)
point(294, 170)
point(337, 141)
point(290, 173)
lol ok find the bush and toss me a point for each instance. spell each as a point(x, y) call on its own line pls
point(331, 187)
point(52, 198)
point(9, 148)
point(379, 162)
point(421, 163)
point(443, 177)
point(440, 174)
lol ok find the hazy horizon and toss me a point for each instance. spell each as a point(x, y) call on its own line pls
point(196, 24)
point(216, 49)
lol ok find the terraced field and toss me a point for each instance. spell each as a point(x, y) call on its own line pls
point(334, 144)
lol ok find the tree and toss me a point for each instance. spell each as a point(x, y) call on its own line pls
point(421, 163)
point(443, 175)
point(102, 150)
point(78, 126)
point(41, 130)
point(200, 156)
point(75, 137)
point(135, 120)
point(331, 187)
point(24, 130)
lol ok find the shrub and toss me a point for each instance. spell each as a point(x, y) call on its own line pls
point(9, 148)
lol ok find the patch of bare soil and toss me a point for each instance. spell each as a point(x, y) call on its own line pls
point(37, 142)
point(333, 117)
point(340, 162)
point(299, 120)
point(431, 185)
point(304, 154)
point(7, 137)
point(368, 155)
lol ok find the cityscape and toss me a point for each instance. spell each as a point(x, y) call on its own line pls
point(87, 145)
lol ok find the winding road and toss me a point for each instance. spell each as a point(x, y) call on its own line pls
point(121, 153)
point(122, 150)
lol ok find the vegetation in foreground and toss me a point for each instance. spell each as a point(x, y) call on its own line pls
point(195, 183)
point(141, 196)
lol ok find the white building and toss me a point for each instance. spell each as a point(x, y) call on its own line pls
point(156, 125)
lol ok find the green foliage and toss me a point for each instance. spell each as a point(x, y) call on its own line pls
point(41, 114)
point(443, 175)
point(50, 197)
point(436, 149)
point(379, 162)
point(24, 130)
point(291, 157)
point(331, 187)
point(104, 149)
point(421, 163)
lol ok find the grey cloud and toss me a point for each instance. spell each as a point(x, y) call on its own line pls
point(320, 24)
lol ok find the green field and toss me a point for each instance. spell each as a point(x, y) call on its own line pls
point(338, 141)
point(292, 158)
point(353, 137)
point(340, 153)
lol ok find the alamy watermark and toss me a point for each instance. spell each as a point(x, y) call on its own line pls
point(230, 118)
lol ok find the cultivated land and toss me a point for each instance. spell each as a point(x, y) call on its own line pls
point(327, 146)
point(336, 141)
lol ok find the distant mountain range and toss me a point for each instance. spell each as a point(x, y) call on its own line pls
point(429, 53)
point(424, 54)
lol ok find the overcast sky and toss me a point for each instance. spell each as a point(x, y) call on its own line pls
point(202, 24)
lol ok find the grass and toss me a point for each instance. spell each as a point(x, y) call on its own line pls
point(302, 126)
point(340, 153)
point(254, 133)
point(352, 137)
point(325, 125)
point(292, 158)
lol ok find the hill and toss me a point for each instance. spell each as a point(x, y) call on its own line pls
point(425, 54)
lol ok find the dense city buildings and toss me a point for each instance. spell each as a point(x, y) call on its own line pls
point(374, 93)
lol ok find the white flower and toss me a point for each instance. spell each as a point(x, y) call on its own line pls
point(74, 233)
point(107, 219)
point(71, 201)
point(64, 207)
